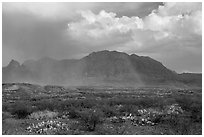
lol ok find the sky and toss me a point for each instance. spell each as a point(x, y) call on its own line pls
point(168, 32)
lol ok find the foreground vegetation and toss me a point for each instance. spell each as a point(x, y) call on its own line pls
point(33, 109)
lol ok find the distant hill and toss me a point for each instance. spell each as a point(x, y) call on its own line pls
point(193, 79)
point(98, 68)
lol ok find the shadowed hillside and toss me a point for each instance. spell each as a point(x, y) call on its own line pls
point(98, 68)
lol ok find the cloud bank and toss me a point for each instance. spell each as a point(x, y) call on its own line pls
point(168, 32)
point(173, 20)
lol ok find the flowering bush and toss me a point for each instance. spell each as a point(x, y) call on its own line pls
point(174, 109)
point(47, 127)
point(150, 116)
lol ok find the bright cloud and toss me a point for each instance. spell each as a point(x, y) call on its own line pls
point(185, 19)
point(173, 26)
point(103, 24)
point(176, 18)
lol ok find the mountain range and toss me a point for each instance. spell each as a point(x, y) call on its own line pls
point(98, 68)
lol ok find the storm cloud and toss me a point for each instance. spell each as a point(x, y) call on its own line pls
point(168, 32)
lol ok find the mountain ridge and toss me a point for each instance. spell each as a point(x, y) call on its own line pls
point(102, 67)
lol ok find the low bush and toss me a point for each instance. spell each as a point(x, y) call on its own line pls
point(43, 115)
point(127, 109)
point(145, 102)
point(21, 109)
point(196, 112)
point(180, 124)
point(73, 113)
point(5, 107)
point(109, 111)
point(90, 118)
point(87, 103)
point(47, 105)
point(192, 106)
point(6, 115)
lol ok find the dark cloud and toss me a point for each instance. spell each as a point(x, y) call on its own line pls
point(140, 9)
point(29, 37)
point(27, 33)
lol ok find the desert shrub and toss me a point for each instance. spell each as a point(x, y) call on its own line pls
point(104, 95)
point(120, 101)
point(155, 118)
point(67, 104)
point(112, 129)
point(46, 105)
point(180, 124)
point(87, 103)
point(191, 105)
point(90, 118)
point(148, 102)
point(21, 109)
point(129, 109)
point(5, 107)
point(167, 101)
point(6, 115)
point(43, 115)
point(196, 112)
point(145, 102)
point(73, 113)
point(83, 103)
point(109, 111)
point(184, 101)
